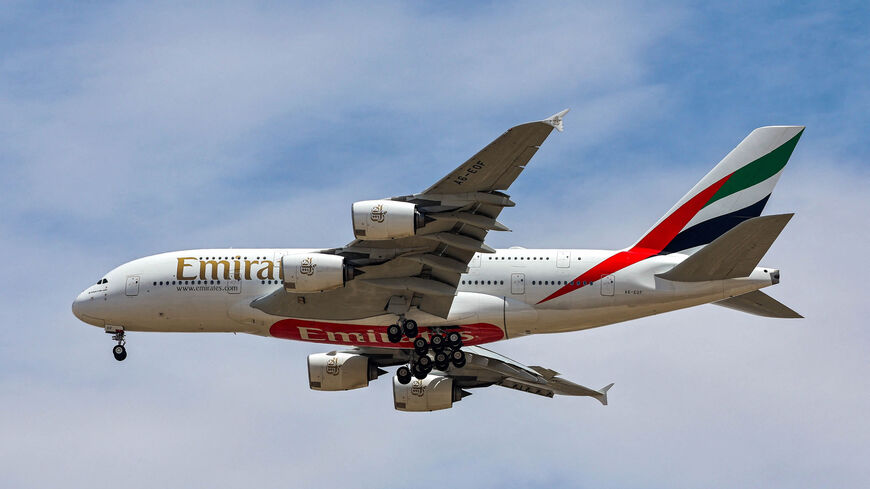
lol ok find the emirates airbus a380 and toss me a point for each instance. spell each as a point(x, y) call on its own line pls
point(418, 288)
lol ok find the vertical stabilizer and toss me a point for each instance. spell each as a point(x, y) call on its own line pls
point(735, 190)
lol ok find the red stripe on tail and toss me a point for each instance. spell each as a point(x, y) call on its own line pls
point(654, 242)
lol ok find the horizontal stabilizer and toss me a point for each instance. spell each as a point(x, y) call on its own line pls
point(759, 304)
point(734, 254)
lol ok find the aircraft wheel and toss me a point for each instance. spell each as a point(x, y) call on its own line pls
point(394, 333)
point(410, 328)
point(403, 374)
point(441, 358)
point(442, 361)
point(454, 339)
point(437, 342)
point(420, 373)
point(119, 352)
point(424, 362)
point(458, 358)
point(421, 346)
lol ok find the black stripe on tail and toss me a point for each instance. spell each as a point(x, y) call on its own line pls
point(707, 231)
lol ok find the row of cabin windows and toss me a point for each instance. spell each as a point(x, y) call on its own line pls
point(201, 282)
point(521, 258)
point(534, 282)
point(560, 282)
point(230, 258)
point(189, 282)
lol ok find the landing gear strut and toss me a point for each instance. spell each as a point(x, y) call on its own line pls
point(118, 350)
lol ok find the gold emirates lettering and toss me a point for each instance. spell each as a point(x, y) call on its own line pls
point(217, 269)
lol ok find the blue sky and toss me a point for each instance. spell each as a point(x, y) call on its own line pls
point(129, 129)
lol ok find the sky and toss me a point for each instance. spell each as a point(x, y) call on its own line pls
point(128, 129)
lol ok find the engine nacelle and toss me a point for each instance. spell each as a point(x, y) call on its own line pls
point(314, 272)
point(430, 394)
point(385, 219)
point(340, 371)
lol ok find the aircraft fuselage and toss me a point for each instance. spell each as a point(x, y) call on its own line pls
point(510, 293)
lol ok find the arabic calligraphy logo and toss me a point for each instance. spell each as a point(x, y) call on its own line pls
point(307, 267)
point(378, 213)
point(332, 366)
point(417, 388)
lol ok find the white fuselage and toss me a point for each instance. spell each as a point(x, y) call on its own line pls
point(503, 295)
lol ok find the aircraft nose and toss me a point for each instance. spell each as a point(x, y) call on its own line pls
point(85, 308)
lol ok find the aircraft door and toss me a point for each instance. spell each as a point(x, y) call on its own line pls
point(563, 259)
point(608, 284)
point(518, 283)
point(132, 285)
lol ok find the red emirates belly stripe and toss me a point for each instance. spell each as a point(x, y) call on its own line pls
point(650, 245)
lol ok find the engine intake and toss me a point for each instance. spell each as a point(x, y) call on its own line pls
point(340, 371)
point(430, 394)
point(385, 219)
point(314, 272)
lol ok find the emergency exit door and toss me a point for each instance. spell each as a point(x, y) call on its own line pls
point(133, 285)
point(518, 283)
point(608, 284)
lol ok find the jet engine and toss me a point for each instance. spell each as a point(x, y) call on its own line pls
point(385, 219)
point(430, 394)
point(340, 371)
point(314, 272)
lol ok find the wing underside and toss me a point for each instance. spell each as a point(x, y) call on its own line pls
point(423, 271)
point(485, 368)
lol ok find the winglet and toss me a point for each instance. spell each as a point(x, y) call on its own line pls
point(602, 398)
point(555, 120)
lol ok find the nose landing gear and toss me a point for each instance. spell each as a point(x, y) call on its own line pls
point(118, 350)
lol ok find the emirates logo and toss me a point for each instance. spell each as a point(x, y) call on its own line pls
point(307, 267)
point(333, 367)
point(378, 213)
point(417, 388)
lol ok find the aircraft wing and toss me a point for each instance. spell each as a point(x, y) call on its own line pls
point(485, 367)
point(423, 270)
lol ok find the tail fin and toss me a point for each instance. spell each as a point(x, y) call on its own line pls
point(735, 190)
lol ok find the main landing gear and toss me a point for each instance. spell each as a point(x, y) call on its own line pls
point(445, 349)
point(118, 350)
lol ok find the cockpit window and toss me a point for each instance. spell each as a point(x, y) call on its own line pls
point(103, 281)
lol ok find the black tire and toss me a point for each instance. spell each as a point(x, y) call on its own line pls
point(454, 338)
point(394, 333)
point(119, 352)
point(425, 369)
point(457, 358)
point(424, 362)
point(420, 374)
point(410, 328)
point(403, 375)
point(441, 358)
point(437, 342)
point(421, 346)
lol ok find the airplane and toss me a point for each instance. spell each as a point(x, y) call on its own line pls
point(419, 289)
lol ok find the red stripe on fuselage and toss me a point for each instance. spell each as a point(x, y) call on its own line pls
point(365, 335)
point(651, 244)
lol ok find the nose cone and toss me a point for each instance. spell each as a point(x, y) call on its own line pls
point(85, 307)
